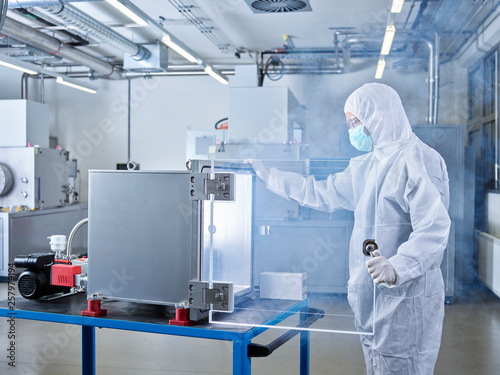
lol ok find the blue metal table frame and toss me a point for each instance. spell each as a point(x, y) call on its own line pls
point(240, 340)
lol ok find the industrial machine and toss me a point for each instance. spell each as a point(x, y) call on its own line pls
point(36, 178)
point(52, 275)
point(38, 197)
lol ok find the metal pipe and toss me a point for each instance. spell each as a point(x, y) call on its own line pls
point(54, 47)
point(4, 4)
point(128, 122)
point(349, 42)
point(497, 131)
point(72, 235)
point(71, 15)
point(13, 4)
point(431, 80)
point(409, 13)
point(436, 77)
point(24, 86)
point(420, 14)
point(336, 43)
point(42, 88)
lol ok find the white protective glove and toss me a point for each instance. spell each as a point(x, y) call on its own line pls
point(261, 171)
point(380, 269)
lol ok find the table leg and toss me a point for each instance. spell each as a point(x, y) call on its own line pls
point(304, 345)
point(88, 350)
point(241, 361)
point(304, 353)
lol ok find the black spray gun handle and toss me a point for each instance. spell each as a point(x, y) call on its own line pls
point(369, 246)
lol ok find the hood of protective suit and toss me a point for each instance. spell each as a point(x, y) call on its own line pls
point(379, 108)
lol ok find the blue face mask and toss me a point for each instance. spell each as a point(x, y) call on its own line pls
point(359, 139)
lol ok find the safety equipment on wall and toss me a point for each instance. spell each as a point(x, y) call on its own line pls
point(359, 139)
point(409, 221)
point(380, 269)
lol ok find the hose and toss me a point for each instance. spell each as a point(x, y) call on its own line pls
point(274, 62)
point(4, 5)
point(72, 235)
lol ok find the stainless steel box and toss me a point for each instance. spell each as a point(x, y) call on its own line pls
point(144, 241)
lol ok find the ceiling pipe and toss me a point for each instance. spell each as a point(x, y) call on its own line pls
point(71, 15)
point(15, 4)
point(78, 40)
point(24, 85)
point(3, 11)
point(54, 46)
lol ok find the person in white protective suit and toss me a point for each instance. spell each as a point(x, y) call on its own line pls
point(399, 193)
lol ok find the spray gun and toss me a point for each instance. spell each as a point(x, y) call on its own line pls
point(369, 246)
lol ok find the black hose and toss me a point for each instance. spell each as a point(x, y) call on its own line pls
point(274, 61)
point(4, 6)
point(220, 122)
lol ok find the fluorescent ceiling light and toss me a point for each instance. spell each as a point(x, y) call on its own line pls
point(126, 11)
point(388, 37)
point(397, 5)
point(380, 68)
point(72, 83)
point(12, 63)
point(168, 41)
point(219, 77)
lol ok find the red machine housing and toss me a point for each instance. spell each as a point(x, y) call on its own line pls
point(63, 274)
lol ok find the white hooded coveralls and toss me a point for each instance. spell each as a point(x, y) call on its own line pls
point(399, 193)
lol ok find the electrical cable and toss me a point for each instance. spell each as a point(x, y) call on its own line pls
point(221, 123)
point(4, 6)
point(274, 75)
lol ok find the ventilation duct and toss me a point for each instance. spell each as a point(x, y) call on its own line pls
point(71, 15)
point(279, 6)
point(14, 4)
point(156, 63)
point(55, 47)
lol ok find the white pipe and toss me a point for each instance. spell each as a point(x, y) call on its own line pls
point(436, 78)
point(431, 80)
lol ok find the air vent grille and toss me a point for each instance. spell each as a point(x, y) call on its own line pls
point(279, 6)
point(27, 285)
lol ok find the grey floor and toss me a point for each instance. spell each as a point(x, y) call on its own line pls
point(471, 343)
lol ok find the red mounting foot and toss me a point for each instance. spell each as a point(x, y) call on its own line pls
point(181, 318)
point(94, 308)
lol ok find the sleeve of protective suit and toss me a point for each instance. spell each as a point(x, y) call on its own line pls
point(327, 195)
point(431, 226)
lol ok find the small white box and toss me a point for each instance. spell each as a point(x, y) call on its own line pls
point(283, 285)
